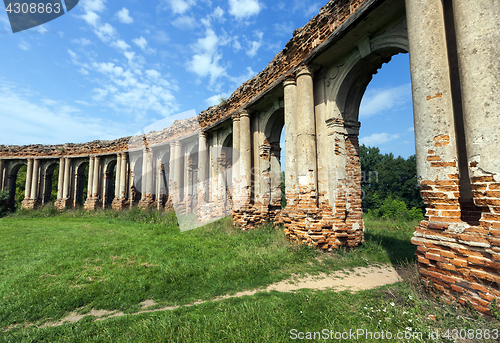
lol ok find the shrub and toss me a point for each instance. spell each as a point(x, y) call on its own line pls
point(396, 209)
point(4, 198)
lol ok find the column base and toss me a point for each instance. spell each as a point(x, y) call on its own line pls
point(29, 204)
point(62, 204)
point(146, 203)
point(119, 204)
point(92, 204)
point(320, 226)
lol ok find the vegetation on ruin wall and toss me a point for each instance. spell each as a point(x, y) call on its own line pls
point(53, 264)
point(389, 184)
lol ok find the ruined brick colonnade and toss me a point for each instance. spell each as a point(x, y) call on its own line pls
point(226, 160)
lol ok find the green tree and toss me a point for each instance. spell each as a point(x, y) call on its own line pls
point(283, 190)
point(4, 198)
point(385, 176)
point(20, 186)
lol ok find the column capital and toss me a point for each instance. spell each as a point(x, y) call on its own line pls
point(307, 70)
point(245, 112)
point(290, 80)
point(235, 116)
point(352, 127)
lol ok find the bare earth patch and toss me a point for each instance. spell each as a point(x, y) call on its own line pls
point(357, 279)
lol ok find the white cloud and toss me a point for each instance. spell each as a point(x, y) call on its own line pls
point(82, 41)
point(93, 5)
point(185, 22)
point(178, 6)
point(410, 129)
point(41, 29)
point(124, 17)
point(284, 29)
point(247, 75)
point(106, 32)
point(206, 61)
point(306, 8)
point(91, 18)
point(24, 45)
point(236, 44)
point(131, 91)
point(142, 43)
point(31, 120)
point(379, 100)
point(378, 138)
point(244, 8)
point(216, 99)
point(161, 37)
point(121, 44)
point(253, 46)
point(5, 22)
point(218, 13)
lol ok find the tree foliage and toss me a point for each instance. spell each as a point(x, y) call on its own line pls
point(389, 183)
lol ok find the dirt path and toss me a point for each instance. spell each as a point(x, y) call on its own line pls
point(357, 279)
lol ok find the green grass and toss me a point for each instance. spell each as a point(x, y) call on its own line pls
point(52, 264)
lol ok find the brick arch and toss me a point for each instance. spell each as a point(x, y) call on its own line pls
point(81, 181)
point(353, 76)
point(11, 176)
point(109, 183)
point(47, 179)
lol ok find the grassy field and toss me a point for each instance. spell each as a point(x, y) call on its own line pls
point(52, 264)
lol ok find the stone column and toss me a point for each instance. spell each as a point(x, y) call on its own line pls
point(275, 175)
point(118, 175)
point(144, 173)
point(95, 184)
point(264, 177)
point(477, 25)
point(435, 140)
point(90, 183)
point(171, 171)
point(159, 183)
point(178, 169)
point(60, 181)
point(236, 157)
point(123, 175)
point(66, 179)
point(202, 167)
point(291, 183)
point(306, 131)
point(245, 156)
point(29, 177)
point(149, 184)
point(1, 174)
point(187, 180)
point(34, 180)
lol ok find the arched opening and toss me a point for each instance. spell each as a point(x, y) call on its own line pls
point(282, 163)
point(387, 133)
point(350, 81)
point(163, 174)
point(109, 183)
point(16, 185)
point(136, 187)
point(272, 150)
point(81, 178)
point(227, 171)
point(49, 186)
point(192, 179)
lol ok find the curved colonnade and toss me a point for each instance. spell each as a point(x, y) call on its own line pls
point(226, 160)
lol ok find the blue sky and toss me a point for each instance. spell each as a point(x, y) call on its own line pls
point(109, 68)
